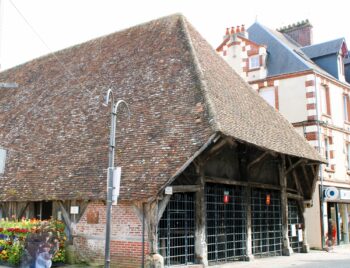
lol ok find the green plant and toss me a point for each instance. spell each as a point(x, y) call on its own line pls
point(15, 253)
point(60, 256)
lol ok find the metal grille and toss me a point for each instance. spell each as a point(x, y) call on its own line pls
point(266, 223)
point(226, 224)
point(176, 230)
point(294, 219)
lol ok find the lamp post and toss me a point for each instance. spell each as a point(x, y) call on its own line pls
point(111, 170)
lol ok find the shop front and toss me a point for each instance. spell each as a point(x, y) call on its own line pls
point(338, 213)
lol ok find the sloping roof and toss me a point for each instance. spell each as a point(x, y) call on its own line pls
point(281, 59)
point(180, 93)
point(323, 49)
point(284, 55)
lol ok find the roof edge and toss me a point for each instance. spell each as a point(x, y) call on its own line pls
point(213, 122)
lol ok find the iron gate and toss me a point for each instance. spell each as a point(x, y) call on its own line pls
point(294, 226)
point(266, 223)
point(226, 223)
point(176, 230)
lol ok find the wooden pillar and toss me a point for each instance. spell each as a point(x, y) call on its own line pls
point(248, 201)
point(201, 250)
point(286, 249)
point(306, 247)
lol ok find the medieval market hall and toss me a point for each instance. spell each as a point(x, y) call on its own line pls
point(211, 173)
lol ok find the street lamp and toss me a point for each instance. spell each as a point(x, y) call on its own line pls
point(113, 174)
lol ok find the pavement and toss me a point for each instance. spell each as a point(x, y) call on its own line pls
point(339, 257)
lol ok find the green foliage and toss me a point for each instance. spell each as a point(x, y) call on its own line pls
point(16, 236)
point(15, 253)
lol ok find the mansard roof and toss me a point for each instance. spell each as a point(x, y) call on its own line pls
point(55, 128)
point(285, 56)
point(325, 48)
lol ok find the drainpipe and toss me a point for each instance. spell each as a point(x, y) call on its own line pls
point(143, 235)
point(321, 169)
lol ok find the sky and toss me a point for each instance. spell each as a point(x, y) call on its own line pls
point(29, 29)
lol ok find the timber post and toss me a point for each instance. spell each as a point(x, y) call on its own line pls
point(286, 249)
point(306, 247)
point(154, 259)
point(249, 242)
point(201, 252)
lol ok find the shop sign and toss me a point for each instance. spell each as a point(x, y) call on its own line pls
point(344, 194)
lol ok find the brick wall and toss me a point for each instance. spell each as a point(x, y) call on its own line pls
point(126, 235)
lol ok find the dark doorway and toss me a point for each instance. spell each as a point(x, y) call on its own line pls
point(43, 210)
point(176, 230)
point(226, 223)
point(266, 223)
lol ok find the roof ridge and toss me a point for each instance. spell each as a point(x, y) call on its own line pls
point(329, 41)
point(200, 77)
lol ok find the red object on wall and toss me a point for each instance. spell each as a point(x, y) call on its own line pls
point(268, 199)
point(226, 197)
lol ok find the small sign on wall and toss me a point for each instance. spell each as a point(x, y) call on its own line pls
point(293, 230)
point(300, 235)
point(74, 210)
point(92, 217)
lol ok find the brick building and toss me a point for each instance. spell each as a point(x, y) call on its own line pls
point(209, 168)
point(306, 83)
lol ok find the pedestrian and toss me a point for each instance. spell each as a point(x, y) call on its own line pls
point(331, 234)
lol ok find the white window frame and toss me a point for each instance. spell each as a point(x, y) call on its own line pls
point(348, 155)
point(345, 108)
point(254, 62)
point(326, 150)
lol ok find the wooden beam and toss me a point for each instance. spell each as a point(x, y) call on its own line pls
point(295, 177)
point(66, 217)
point(295, 196)
point(257, 160)
point(162, 206)
point(21, 212)
point(225, 181)
point(215, 149)
point(300, 161)
point(306, 179)
point(185, 188)
point(242, 183)
point(315, 179)
point(286, 249)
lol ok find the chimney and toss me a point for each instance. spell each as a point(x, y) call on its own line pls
point(227, 33)
point(300, 32)
point(243, 32)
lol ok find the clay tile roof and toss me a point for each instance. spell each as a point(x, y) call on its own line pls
point(180, 93)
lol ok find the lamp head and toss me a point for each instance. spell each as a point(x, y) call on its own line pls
point(106, 98)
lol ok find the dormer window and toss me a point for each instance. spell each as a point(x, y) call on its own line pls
point(254, 62)
point(340, 65)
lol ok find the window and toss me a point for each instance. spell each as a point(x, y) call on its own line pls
point(268, 94)
point(326, 150)
point(346, 108)
point(340, 65)
point(325, 100)
point(2, 160)
point(254, 62)
point(348, 155)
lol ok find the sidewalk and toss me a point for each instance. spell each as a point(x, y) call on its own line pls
point(338, 258)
